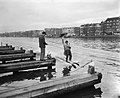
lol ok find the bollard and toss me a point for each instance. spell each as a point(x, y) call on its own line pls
point(31, 51)
point(99, 76)
point(1, 43)
point(66, 71)
point(21, 48)
point(43, 78)
point(6, 44)
point(50, 75)
point(91, 69)
point(10, 46)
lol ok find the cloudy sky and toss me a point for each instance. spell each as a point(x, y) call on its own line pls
point(19, 15)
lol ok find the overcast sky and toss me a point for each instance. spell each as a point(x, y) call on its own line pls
point(19, 15)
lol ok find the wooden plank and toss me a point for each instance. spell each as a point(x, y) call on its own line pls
point(16, 56)
point(11, 67)
point(7, 48)
point(11, 52)
point(53, 86)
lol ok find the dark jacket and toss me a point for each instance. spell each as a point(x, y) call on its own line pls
point(42, 42)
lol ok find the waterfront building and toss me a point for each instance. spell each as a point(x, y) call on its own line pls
point(83, 30)
point(15, 34)
point(71, 31)
point(53, 32)
point(112, 26)
point(36, 33)
point(92, 29)
point(96, 29)
point(77, 31)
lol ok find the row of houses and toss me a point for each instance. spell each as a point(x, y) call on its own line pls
point(55, 32)
point(29, 33)
point(111, 26)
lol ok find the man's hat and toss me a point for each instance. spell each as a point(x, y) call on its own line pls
point(44, 33)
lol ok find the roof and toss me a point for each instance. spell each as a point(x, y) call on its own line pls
point(113, 18)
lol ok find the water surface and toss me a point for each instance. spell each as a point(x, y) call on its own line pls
point(104, 52)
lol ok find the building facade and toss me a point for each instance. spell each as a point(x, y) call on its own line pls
point(71, 31)
point(53, 32)
point(112, 25)
point(37, 33)
point(90, 29)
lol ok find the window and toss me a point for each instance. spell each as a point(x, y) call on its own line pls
point(113, 23)
point(117, 20)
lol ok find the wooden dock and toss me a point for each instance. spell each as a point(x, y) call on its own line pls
point(52, 87)
point(13, 61)
point(16, 60)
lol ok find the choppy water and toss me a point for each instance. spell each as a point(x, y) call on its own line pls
point(104, 52)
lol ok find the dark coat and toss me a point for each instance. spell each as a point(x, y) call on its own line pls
point(42, 42)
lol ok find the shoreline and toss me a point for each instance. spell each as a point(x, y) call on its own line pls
point(110, 36)
point(107, 36)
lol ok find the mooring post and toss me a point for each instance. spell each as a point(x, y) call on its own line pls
point(31, 52)
point(10, 46)
point(49, 67)
point(6, 44)
point(15, 72)
point(21, 48)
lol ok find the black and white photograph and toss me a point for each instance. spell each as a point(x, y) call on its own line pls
point(59, 48)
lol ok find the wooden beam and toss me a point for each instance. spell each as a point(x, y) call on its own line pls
point(14, 67)
point(6, 48)
point(55, 86)
point(16, 56)
point(11, 52)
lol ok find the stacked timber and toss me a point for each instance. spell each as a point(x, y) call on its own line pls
point(15, 60)
point(5, 48)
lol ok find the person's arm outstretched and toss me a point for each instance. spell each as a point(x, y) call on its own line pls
point(63, 42)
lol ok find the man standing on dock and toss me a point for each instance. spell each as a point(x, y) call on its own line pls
point(42, 44)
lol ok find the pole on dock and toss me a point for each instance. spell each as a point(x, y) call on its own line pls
point(1, 43)
point(6, 44)
point(21, 48)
